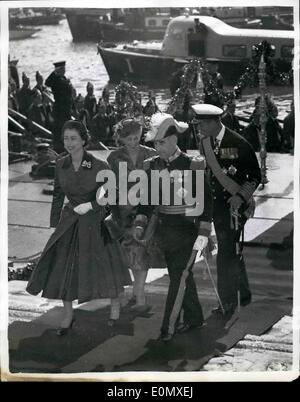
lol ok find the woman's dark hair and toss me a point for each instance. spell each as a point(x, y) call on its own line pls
point(79, 127)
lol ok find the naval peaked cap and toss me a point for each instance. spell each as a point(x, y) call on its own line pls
point(206, 110)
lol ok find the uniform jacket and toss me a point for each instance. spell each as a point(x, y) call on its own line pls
point(62, 91)
point(183, 162)
point(273, 135)
point(288, 132)
point(251, 134)
point(238, 160)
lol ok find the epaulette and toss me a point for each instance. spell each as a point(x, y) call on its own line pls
point(198, 163)
point(147, 162)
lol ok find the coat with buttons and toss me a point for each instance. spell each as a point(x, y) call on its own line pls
point(102, 271)
point(183, 163)
point(238, 160)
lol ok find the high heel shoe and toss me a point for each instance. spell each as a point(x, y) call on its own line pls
point(64, 330)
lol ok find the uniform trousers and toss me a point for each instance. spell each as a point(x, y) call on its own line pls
point(231, 271)
point(60, 117)
point(176, 238)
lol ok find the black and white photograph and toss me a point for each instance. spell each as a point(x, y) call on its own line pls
point(149, 192)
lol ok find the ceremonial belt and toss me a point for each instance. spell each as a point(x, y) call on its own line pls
point(230, 185)
point(174, 209)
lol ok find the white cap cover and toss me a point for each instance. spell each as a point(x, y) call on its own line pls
point(206, 110)
point(159, 124)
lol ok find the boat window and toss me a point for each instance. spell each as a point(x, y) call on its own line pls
point(287, 52)
point(152, 23)
point(165, 22)
point(235, 51)
point(176, 33)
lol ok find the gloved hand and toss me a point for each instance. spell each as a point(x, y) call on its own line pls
point(138, 232)
point(235, 202)
point(200, 243)
point(82, 209)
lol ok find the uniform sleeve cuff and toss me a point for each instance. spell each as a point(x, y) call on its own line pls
point(247, 189)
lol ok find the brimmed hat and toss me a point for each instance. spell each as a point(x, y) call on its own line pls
point(160, 124)
point(206, 111)
point(59, 64)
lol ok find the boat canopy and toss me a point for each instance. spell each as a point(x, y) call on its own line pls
point(212, 33)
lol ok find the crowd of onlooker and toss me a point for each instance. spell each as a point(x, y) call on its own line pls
point(98, 115)
point(101, 115)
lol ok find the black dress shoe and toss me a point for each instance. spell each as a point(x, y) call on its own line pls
point(245, 301)
point(64, 330)
point(185, 327)
point(228, 309)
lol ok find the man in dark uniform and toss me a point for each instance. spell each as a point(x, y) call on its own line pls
point(24, 95)
point(62, 91)
point(179, 232)
point(234, 176)
point(213, 69)
point(288, 132)
point(229, 119)
point(252, 130)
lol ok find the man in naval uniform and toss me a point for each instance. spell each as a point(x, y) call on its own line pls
point(62, 91)
point(180, 234)
point(234, 175)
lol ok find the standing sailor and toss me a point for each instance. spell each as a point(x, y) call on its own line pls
point(62, 91)
point(24, 95)
point(234, 176)
point(179, 231)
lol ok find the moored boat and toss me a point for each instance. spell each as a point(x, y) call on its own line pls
point(33, 18)
point(114, 25)
point(187, 37)
point(20, 32)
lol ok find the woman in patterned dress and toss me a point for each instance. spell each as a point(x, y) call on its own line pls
point(128, 135)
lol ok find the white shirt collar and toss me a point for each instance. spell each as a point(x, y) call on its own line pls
point(220, 136)
point(175, 155)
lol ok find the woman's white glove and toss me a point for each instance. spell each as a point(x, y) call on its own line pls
point(200, 243)
point(138, 233)
point(82, 209)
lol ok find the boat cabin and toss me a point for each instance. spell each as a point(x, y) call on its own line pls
point(214, 40)
point(157, 21)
